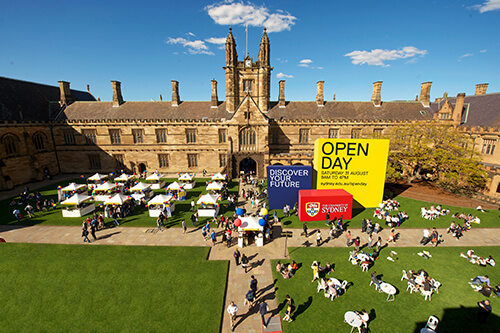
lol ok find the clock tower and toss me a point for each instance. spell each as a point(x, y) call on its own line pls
point(247, 78)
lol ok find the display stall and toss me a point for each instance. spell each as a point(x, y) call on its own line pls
point(73, 188)
point(96, 180)
point(77, 206)
point(124, 178)
point(141, 191)
point(214, 187)
point(104, 191)
point(219, 177)
point(209, 205)
point(160, 203)
point(156, 180)
point(187, 181)
point(250, 230)
point(117, 200)
point(177, 191)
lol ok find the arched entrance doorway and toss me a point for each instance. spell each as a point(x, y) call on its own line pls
point(248, 166)
point(142, 168)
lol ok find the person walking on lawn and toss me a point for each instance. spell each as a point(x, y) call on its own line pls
point(304, 227)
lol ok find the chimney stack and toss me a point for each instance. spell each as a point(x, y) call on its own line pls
point(175, 93)
point(376, 99)
point(481, 88)
point(117, 93)
point(88, 88)
point(65, 96)
point(215, 100)
point(281, 99)
point(425, 94)
point(320, 100)
point(457, 111)
point(334, 98)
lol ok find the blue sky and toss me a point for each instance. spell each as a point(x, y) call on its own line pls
point(347, 44)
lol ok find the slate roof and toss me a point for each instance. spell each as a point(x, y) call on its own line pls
point(479, 110)
point(401, 110)
point(32, 99)
point(200, 110)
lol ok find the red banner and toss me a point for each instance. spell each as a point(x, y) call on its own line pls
point(314, 204)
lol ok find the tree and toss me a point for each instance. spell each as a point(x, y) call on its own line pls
point(439, 153)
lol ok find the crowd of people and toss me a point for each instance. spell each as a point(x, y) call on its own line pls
point(477, 260)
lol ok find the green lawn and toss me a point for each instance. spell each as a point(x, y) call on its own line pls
point(61, 288)
point(489, 219)
point(455, 305)
point(139, 218)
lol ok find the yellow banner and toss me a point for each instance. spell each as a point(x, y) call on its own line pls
point(355, 165)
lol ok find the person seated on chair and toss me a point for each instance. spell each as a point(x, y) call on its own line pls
point(422, 273)
point(364, 316)
point(323, 283)
point(427, 284)
point(375, 280)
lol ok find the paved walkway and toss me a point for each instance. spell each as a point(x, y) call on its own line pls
point(238, 282)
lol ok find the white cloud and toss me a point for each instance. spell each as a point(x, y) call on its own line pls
point(283, 76)
point(219, 41)
point(482, 51)
point(229, 13)
point(305, 62)
point(320, 68)
point(378, 56)
point(216, 40)
point(194, 47)
point(466, 55)
point(191, 34)
point(487, 6)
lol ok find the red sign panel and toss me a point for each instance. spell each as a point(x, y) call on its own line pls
point(314, 204)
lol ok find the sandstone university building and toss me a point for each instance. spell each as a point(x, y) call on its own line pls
point(61, 130)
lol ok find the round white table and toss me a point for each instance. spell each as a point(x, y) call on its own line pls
point(390, 290)
point(353, 319)
point(334, 281)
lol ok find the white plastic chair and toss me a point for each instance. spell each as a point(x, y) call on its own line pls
point(376, 287)
point(411, 287)
point(351, 255)
point(364, 266)
point(432, 323)
point(437, 284)
point(427, 294)
point(343, 285)
point(405, 276)
point(321, 287)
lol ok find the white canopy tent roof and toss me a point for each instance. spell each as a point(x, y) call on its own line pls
point(155, 176)
point(140, 187)
point(117, 199)
point(160, 199)
point(73, 187)
point(250, 223)
point(214, 186)
point(208, 199)
point(106, 187)
point(124, 177)
point(174, 186)
point(219, 176)
point(98, 176)
point(76, 199)
point(138, 196)
point(186, 176)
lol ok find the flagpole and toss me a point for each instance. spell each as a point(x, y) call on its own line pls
point(246, 31)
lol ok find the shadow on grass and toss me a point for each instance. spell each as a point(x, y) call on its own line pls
point(302, 308)
point(462, 319)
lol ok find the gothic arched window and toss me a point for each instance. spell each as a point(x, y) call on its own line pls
point(39, 141)
point(10, 144)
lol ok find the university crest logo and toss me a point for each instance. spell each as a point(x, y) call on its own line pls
point(312, 208)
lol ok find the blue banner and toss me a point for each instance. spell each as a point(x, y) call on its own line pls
point(284, 183)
